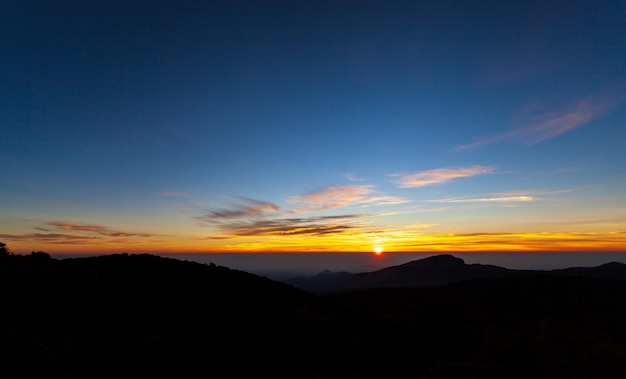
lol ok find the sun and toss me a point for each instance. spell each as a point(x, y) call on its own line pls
point(378, 250)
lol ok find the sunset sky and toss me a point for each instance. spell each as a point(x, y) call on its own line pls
point(293, 126)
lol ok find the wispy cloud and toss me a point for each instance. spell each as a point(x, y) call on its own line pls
point(535, 192)
point(533, 124)
point(52, 238)
point(126, 235)
point(293, 227)
point(501, 199)
point(352, 177)
point(421, 226)
point(73, 233)
point(341, 196)
point(310, 226)
point(438, 176)
point(253, 218)
point(97, 229)
point(504, 197)
point(245, 208)
point(68, 225)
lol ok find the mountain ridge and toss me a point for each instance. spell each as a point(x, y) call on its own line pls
point(436, 270)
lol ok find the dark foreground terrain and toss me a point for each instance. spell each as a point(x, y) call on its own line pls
point(130, 316)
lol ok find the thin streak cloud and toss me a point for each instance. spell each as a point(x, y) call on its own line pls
point(77, 226)
point(246, 208)
point(312, 226)
point(52, 238)
point(74, 233)
point(352, 177)
point(439, 176)
point(341, 196)
point(91, 228)
point(253, 218)
point(503, 199)
point(534, 192)
point(532, 127)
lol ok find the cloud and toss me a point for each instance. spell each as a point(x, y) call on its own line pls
point(98, 229)
point(287, 227)
point(77, 233)
point(533, 125)
point(535, 192)
point(259, 218)
point(333, 197)
point(52, 238)
point(246, 208)
point(438, 176)
point(77, 226)
point(341, 196)
point(506, 199)
point(352, 177)
point(253, 218)
point(312, 226)
point(421, 226)
point(126, 235)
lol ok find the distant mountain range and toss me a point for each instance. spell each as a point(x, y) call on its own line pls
point(435, 271)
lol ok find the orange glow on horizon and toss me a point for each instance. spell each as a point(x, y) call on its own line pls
point(394, 241)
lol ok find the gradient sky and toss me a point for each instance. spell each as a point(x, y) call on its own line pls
point(188, 126)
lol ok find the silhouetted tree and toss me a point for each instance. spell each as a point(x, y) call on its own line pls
point(40, 256)
point(4, 250)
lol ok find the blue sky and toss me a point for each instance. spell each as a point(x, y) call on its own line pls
point(312, 125)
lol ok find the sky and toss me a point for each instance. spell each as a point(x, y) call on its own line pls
point(312, 126)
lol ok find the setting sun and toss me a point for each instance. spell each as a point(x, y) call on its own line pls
point(378, 250)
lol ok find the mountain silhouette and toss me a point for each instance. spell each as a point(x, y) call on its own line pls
point(129, 316)
point(435, 271)
point(124, 315)
point(608, 270)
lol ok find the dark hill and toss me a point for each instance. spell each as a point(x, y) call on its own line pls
point(608, 270)
point(120, 315)
point(431, 271)
point(129, 316)
point(435, 271)
point(541, 326)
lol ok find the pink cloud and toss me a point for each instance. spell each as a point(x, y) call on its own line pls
point(77, 226)
point(501, 199)
point(341, 196)
point(438, 176)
